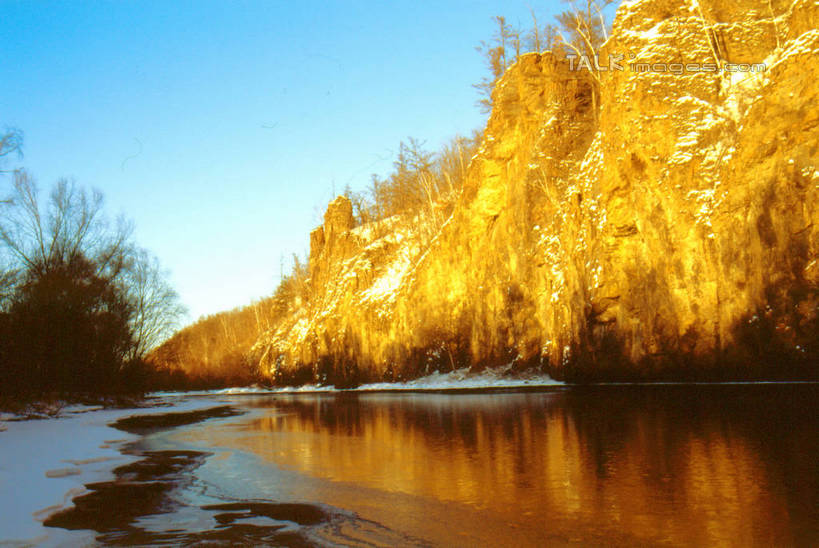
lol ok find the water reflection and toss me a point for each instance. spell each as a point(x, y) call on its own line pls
point(679, 465)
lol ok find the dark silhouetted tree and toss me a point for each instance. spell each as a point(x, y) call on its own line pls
point(156, 306)
point(82, 303)
point(69, 329)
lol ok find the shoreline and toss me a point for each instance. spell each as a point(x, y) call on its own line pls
point(48, 462)
point(106, 456)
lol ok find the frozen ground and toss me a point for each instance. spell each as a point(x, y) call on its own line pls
point(459, 379)
point(45, 463)
point(462, 379)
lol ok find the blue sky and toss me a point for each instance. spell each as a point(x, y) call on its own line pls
point(221, 128)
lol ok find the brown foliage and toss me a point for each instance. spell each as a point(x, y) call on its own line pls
point(215, 347)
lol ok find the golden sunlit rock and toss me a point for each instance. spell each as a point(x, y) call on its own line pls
point(661, 222)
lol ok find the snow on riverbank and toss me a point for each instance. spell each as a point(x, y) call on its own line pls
point(459, 379)
point(45, 463)
point(463, 379)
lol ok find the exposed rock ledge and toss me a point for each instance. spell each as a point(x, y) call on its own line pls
point(672, 233)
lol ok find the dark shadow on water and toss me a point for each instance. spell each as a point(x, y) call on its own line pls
point(145, 488)
point(303, 514)
point(140, 489)
point(614, 465)
point(144, 424)
point(150, 486)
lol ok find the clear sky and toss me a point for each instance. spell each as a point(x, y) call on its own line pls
point(221, 128)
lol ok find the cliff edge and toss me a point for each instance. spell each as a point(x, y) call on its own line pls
point(652, 220)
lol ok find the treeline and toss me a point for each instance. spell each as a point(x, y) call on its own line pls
point(419, 193)
point(81, 304)
point(422, 186)
point(216, 350)
point(578, 31)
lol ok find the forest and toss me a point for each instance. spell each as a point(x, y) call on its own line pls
point(81, 303)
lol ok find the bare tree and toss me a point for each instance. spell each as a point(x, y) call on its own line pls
point(8, 281)
point(582, 30)
point(497, 56)
point(11, 142)
point(535, 36)
point(452, 161)
point(545, 38)
point(579, 33)
point(583, 26)
point(37, 239)
point(361, 208)
point(156, 305)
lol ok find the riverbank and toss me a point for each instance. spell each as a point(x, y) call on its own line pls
point(53, 449)
point(422, 467)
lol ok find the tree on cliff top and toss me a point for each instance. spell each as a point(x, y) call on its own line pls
point(583, 29)
point(499, 52)
point(579, 31)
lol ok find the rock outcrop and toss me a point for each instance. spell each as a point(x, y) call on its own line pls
point(661, 223)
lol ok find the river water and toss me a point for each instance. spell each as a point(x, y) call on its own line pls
point(685, 465)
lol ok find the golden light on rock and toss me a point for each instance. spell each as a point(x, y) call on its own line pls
point(669, 230)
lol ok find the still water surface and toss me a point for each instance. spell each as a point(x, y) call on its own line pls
point(731, 465)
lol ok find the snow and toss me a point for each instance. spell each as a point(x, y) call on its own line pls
point(264, 390)
point(300, 329)
point(33, 472)
point(458, 379)
point(463, 379)
point(386, 286)
point(653, 33)
point(45, 463)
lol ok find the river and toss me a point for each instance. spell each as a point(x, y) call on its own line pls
point(668, 465)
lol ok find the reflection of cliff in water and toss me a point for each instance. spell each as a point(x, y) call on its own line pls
point(681, 464)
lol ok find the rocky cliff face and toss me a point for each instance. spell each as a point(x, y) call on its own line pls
point(662, 222)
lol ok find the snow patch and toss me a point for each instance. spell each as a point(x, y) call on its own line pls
point(458, 379)
point(386, 286)
point(34, 479)
point(464, 379)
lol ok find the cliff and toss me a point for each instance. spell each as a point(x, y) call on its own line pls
point(660, 223)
